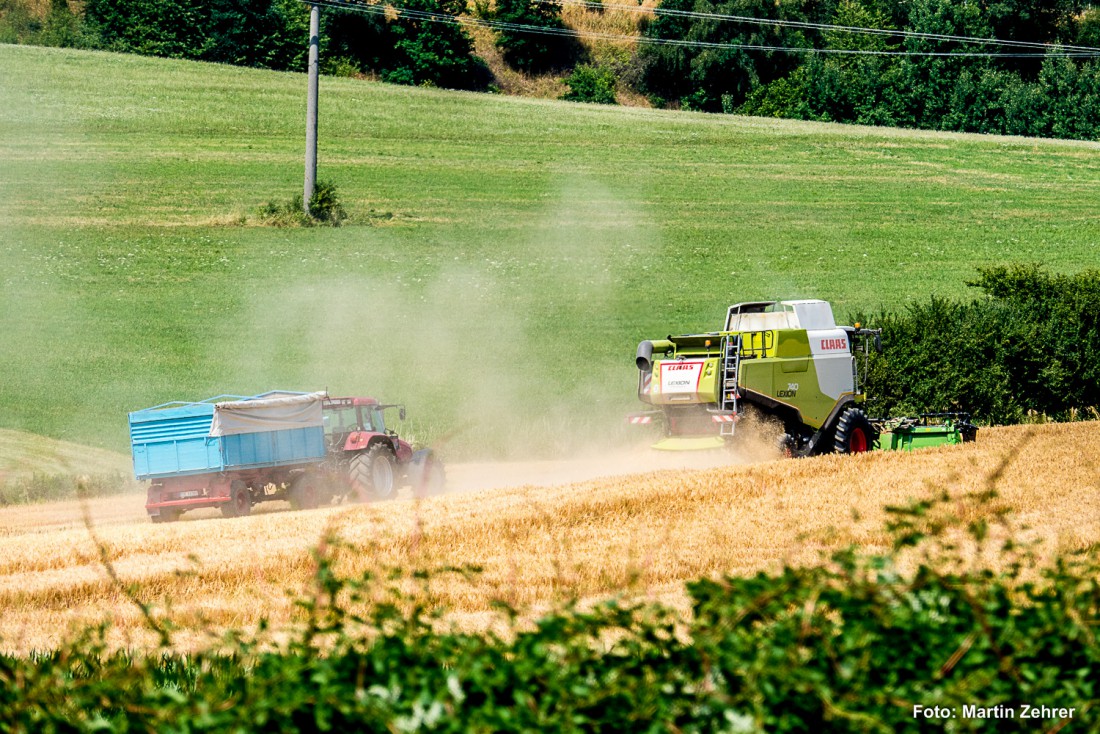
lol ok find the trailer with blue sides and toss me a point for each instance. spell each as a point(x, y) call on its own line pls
point(232, 451)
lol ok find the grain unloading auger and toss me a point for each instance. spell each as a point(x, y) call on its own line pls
point(786, 360)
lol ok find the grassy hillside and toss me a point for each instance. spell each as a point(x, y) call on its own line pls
point(34, 468)
point(506, 254)
point(23, 454)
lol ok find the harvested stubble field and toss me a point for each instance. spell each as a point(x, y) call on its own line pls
point(636, 534)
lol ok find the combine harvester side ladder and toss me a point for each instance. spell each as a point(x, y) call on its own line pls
point(731, 367)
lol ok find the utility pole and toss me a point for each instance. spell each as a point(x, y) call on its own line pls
point(311, 105)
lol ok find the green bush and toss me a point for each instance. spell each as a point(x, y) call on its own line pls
point(1030, 346)
point(325, 207)
point(286, 213)
point(274, 34)
point(267, 33)
point(17, 24)
point(714, 79)
point(1049, 97)
point(20, 23)
point(588, 83)
point(782, 98)
point(858, 646)
point(150, 27)
point(433, 54)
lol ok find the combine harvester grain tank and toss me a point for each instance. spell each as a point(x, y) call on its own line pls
point(787, 361)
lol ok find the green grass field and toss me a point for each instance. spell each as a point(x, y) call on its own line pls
point(505, 254)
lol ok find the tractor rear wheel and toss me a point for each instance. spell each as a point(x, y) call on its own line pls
point(854, 433)
point(240, 500)
point(372, 474)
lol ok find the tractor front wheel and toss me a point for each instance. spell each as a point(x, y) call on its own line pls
point(854, 433)
point(372, 474)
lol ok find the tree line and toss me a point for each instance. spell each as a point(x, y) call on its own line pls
point(887, 84)
point(1038, 95)
point(398, 47)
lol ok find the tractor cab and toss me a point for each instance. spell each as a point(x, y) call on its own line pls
point(345, 416)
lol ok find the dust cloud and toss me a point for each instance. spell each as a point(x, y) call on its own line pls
point(505, 360)
point(515, 357)
point(499, 351)
point(615, 462)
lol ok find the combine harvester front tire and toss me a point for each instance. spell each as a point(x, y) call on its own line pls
point(854, 433)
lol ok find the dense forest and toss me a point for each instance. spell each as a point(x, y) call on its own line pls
point(906, 63)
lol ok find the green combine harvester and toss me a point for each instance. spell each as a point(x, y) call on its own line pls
point(785, 360)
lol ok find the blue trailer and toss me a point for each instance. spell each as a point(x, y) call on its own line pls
point(232, 451)
point(192, 459)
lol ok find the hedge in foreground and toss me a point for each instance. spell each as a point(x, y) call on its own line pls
point(850, 646)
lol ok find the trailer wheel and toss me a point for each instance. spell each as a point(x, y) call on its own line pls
point(305, 491)
point(372, 474)
point(854, 433)
point(166, 515)
point(240, 500)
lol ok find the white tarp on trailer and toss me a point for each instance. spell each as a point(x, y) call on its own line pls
point(267, 414)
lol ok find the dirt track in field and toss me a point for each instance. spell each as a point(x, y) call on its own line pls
point(461, 478)
point(636, 524)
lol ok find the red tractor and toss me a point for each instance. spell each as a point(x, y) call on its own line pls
point(370, 459)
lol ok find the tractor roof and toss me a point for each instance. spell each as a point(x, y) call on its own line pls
point(345, 402)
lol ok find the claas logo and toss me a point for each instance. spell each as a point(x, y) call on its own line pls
point(828, 344)
point(691, 366)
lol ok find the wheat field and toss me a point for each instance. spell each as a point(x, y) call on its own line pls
point(641, 535)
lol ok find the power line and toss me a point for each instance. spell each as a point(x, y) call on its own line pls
point(596, 5)
point(445, 18)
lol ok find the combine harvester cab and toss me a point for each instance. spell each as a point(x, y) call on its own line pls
point(787, 360)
